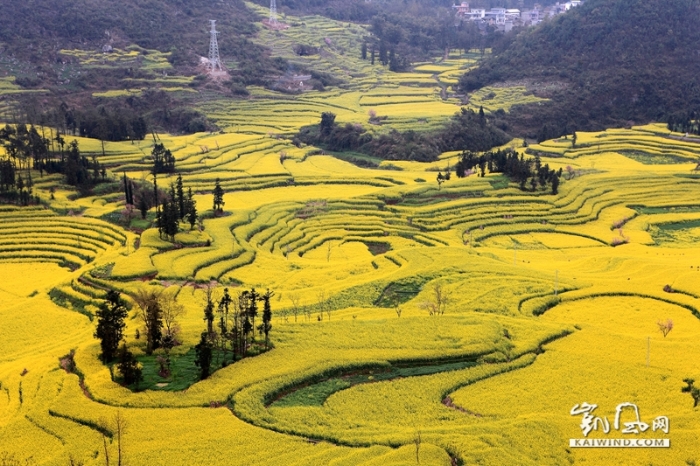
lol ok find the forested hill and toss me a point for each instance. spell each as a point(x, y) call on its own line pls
point(33, 34)
point(40, 27)
point(607, 62)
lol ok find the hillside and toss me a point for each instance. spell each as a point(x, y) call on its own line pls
point(89, 53)
point(606, 63)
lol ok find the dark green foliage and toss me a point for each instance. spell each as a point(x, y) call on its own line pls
point(694, 391)
point(685, 122)
point(180, 192)
point(465, 131)
point(163, 159)
point(110, 124)
point(128, 190)
point(129, 367)
point(515, 166)
point(267, 316)
point(218, 196)
point(154, 326)
point(191, 209)
point(607, 63)
point(110, 324)
point(204, 352)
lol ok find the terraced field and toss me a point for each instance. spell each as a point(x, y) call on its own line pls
point(553, 300)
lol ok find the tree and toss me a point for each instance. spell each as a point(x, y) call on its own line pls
point(440, 180)
point(191, 209)
point(203, 356)
point(180, 192)
point(555, 184)
point(382, 54)
point(163, 159)
point(218, 197)
point(327, 123)
point(665, 327)
point(129, 367)
point(440, 300)
point(267, 316)
point(573, 139)
point(694, 391)
point(110, 324)
point(143, 207)
point(364, 51)
point(294, 298)
point(171, 312)
point(223, 310)
point(151, 315)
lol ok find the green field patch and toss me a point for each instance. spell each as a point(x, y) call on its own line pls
point(316, 394)
point(665, 209)
point(401, 291)
point(649, 158)
point(677, 234)
point(183, 371)
point(378, 247)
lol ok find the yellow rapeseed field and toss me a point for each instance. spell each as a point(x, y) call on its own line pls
point(545, 301)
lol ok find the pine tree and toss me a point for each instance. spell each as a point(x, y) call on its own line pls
point(203, 356)
point(110, 324)
point(191, 209)
point(382, 54)
point(180, 197)
point(143, 206)
point(267, 316)
point(129, 367)
point(555, 184)
point(126, 189)
point(218, 197)
point(154, 326)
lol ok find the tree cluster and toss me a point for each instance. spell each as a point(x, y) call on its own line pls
point(466, 130)
point(230, 327)
point(527, 172)
point(163, 159)
point(25, 148)
point(685, 122)
point(175, 208)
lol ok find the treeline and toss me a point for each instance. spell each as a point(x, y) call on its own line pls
point(466, 130)
point(528, 172)
point(605, 63)
point(686, 122)
point(26, 149)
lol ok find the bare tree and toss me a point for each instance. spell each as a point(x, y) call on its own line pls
point(665, 327)
point(417, 441)
point(172, 310)
point(294, 298)
point(117, 428)
point(440, 300)
point(150, 312)
point(429, 306)
point(321, 303)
